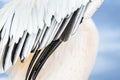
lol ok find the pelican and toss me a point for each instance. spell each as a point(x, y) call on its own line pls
point(41, 27)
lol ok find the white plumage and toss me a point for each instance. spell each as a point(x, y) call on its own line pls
point(27, 25)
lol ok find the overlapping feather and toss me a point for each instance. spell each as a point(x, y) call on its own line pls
point(28, 25)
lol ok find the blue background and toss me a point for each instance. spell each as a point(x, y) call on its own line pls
point(107, 19)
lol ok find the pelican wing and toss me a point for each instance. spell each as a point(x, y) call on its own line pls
point(30, 25)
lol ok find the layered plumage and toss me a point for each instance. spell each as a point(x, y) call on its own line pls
point(30, 25)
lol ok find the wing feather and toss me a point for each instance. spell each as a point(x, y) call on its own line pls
point(30, 25)
point(19, 48)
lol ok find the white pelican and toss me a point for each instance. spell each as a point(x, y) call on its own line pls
point(39, 26)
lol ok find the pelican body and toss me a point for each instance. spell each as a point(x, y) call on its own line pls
point(38, 27)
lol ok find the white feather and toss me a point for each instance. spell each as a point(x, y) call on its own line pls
point(19, 17)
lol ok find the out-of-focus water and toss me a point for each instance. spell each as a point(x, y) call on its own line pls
point(107, 19)
point(3, 2)
point(4, 77)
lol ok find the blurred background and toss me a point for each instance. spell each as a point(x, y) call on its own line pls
point(107, 19)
